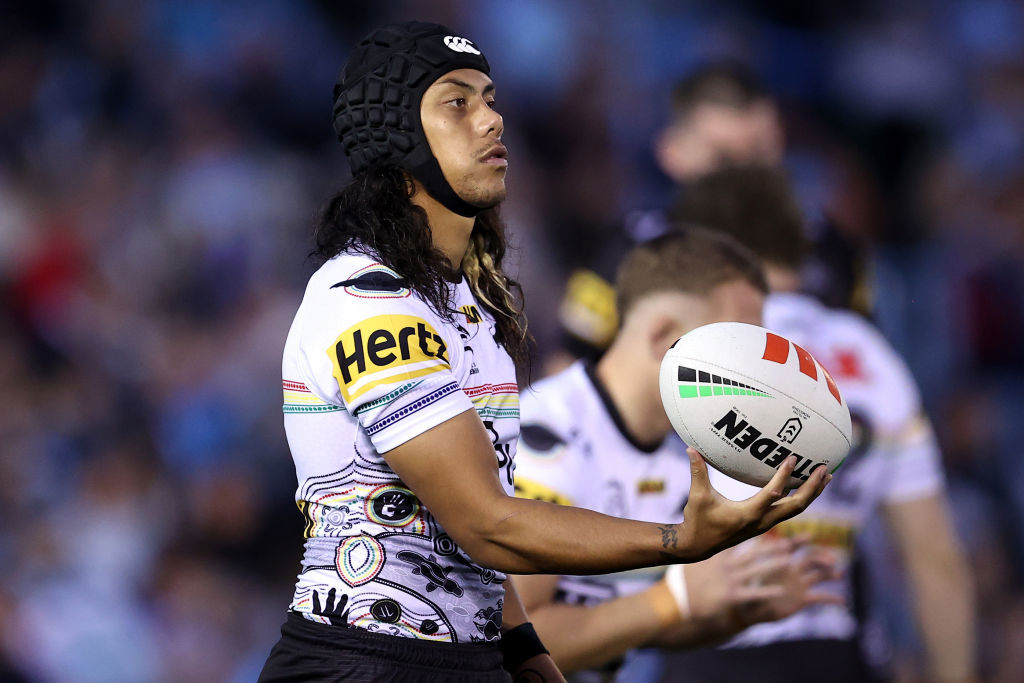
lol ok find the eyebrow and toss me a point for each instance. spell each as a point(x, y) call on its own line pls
point(489, 88)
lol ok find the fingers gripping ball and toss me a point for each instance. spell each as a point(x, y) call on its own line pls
point(747, 399)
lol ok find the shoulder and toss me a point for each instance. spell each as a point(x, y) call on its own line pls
point(358, 322)
point(355, 292)
point(354, 278)
point(550, 455)
point(877, 362)
point(865, 365)
point(554, 403)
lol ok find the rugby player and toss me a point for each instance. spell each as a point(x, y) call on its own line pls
point(721, 115)
point(596, 436)
point(894, 467)
point(401, 403)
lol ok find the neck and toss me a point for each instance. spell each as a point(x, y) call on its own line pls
point(635, 394)
point(450, 231)
point(782, 279)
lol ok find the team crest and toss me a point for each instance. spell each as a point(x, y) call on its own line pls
point(375, 281)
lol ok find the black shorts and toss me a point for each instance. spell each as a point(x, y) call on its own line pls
point(319, 653)
point(795, 661)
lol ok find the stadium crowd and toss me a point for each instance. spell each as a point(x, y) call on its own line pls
point(160, 165)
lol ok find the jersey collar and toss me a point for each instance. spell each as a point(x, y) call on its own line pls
point(590, 371)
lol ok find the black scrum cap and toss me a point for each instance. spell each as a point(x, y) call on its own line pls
point(377, 100)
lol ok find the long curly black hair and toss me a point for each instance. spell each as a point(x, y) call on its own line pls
point(374, 215)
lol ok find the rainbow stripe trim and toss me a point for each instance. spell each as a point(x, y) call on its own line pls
point(299, 399)
point(495, 400)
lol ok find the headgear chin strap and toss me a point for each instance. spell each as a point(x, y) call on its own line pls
point(377, 101)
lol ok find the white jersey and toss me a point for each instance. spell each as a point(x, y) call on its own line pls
point(368, 366)
point(574, 450)
point(894, 457)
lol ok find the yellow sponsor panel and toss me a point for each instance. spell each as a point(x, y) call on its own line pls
point(650, 486)
point(368, 353)
point(535, 491)
point(820, 532)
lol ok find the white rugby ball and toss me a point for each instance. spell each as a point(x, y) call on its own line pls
point(747, 398)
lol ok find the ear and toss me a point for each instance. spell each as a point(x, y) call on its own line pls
point(662, 333)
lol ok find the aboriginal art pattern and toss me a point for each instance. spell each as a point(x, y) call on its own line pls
point(375, 558)
point(369, 367)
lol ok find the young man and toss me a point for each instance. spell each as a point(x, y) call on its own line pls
point(596, 436)
point(401, 407)
point(721, 115)
point(894, 467)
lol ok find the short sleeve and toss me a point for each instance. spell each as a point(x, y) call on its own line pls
point(905, 436)
point(388, 360)
point(548, 463)
point(915, 462)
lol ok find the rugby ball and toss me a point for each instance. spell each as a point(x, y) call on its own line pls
point(747, 398)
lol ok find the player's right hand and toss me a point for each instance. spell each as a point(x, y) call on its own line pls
point(713, 522)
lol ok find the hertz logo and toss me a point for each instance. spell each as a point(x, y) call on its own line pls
point(386, 349)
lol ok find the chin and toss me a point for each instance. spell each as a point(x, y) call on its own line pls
point(487, 199)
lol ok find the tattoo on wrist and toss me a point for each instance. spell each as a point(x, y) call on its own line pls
point(529, 676)
point(669, 537)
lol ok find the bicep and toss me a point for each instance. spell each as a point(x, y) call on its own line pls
point(452, 469)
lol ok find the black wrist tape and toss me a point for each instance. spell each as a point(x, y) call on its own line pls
point(518, 645)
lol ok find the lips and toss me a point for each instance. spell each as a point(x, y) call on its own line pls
point(496, 155)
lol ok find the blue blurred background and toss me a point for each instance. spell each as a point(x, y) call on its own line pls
point(160, 165)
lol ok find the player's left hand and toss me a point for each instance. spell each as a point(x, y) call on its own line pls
point(765, 579)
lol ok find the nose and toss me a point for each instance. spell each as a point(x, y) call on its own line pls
point(490, 122)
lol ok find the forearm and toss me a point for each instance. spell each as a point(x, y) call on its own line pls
point(521, 536)
point(696, 633)
point(588, 637)
point(940, 583)
point(944, 605)
point(534, 537)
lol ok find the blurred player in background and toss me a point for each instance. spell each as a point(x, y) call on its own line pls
point(401, 403)
point(721, 115)
point(894, 467)
point(596, 436)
